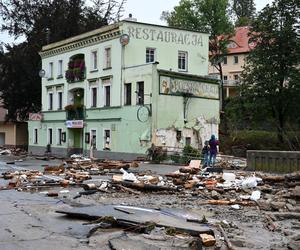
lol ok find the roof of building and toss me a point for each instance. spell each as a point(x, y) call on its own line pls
point(240, 41)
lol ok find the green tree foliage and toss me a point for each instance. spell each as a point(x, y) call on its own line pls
point(271, 74)
point(210, 16)
point(41, 22)
point(244, 11)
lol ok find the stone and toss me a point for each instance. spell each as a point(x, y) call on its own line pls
point(276, 205)
point(264, 205)
point(215, 195)
point(296, 192)
point(291, 201)
point(289, 207)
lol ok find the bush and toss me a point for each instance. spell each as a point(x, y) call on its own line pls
point(188, 154)
point(156, 154)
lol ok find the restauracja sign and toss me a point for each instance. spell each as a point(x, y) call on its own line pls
point(167, 36)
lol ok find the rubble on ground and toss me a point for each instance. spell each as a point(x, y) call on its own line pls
point(275, 197)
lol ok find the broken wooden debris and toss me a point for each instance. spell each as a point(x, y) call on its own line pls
point(207, 240)
point(145, 187)
point(229, 245)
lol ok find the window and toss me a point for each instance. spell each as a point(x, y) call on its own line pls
point(187, 141)
point(93, 138)
point(94, 60)
point(236, 59)
point(94, 97)
point(50, 101)
point(59, 101)
point(59, 136)
point(150, 55)
point(107, 95)
point(182, 60)
point(140, 93)
point(107, 139)
point(60, 68)
point(225, 78)
point(225, 60)
point(127, 94)
point(107, 57)
point(236, 77)
point(178, 135)
point(50, 136)
point(35, 136)
point(50, 70)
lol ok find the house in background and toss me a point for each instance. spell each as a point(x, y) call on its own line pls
point(12, 134)
point(121, 88)
point(238, 49)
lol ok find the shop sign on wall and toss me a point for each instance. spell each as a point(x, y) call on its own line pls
point(178, 86)
point(74, 124)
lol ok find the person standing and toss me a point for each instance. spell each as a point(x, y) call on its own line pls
point(213, 150)
point(205, 154)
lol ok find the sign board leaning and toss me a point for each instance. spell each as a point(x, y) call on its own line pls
point(74, 124)
point(177, 86)
point(35, 116)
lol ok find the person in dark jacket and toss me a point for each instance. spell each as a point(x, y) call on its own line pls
point(213, 150)
point(205, 154)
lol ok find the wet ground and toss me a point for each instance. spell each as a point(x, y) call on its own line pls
point(29, 221)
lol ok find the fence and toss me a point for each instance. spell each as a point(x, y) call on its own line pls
point(273, 161)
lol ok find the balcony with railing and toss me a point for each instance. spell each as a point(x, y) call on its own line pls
point(75, 112)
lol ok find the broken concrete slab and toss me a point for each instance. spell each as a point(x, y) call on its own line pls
point(137, 216)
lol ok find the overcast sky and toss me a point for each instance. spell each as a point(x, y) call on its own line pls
point(148, 11)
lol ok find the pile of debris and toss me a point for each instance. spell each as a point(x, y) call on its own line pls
point(12, 151)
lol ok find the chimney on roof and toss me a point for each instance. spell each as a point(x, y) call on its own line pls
point(130, 18)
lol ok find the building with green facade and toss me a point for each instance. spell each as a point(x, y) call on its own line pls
point(118, 89)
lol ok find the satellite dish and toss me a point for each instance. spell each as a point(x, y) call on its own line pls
point(42, 73)
point(124, 39)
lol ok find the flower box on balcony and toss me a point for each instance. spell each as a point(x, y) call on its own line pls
point(76, 71)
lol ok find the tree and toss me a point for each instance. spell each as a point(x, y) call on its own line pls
point(244, 11)
point(272, 72)
point(42, 22)
point(209, 16)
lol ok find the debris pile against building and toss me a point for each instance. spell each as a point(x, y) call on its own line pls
point(276, 197)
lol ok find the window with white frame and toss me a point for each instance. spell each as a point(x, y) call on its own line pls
point(50, 101)
point(94, 97)
point(60, 68)
point(107, 56)
point(50, 136)
point(127, 94)
point(182, 60)
point(225, 77)
point(94, 60)
point(107, 139)
point(93, 138)
point(236, 59)
point(225, 60)
point(150, 55)
point(59, 100)
point(50, 76)
point(140, 93)
point(59, 136)
point(35, 136)
point(107, 92)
